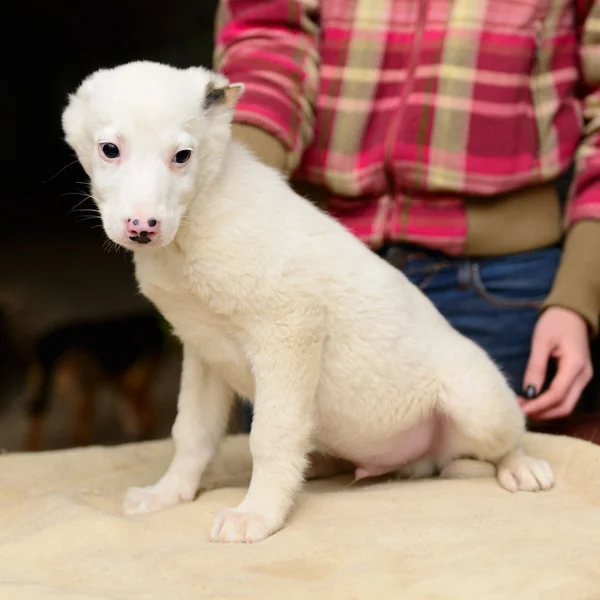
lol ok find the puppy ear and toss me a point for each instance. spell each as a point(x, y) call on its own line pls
point(75, 122)
point(222, 97)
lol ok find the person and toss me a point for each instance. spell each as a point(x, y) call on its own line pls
point(438, 132)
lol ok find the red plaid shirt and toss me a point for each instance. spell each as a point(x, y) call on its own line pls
point(402, 108)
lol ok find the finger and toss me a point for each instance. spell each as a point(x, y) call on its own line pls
point(537, 366)
point(568, 372)
point(565, 408)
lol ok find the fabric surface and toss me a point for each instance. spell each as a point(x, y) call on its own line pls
point(62, 536)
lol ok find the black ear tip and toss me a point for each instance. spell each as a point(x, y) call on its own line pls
point(213, 96)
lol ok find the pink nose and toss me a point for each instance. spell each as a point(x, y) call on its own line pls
point(142, 230)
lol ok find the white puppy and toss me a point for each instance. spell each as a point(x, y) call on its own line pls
point(276, 301)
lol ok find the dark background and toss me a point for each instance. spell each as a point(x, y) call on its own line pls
point(52, 47)
point(53, 267)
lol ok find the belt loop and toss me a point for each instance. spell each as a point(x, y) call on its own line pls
point(464, 274)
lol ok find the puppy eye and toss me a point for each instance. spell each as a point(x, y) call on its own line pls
point(182, 156)
point(109, 150)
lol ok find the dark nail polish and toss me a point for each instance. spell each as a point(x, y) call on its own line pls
point(530, 392)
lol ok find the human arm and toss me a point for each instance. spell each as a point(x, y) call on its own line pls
point(577, 284)
point(572, 310)
point(271, 47)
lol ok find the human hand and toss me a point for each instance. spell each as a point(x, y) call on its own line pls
point(563, 335)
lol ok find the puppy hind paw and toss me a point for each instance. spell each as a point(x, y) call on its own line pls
point(524, 473)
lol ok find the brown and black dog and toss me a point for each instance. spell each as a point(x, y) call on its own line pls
point(122, 352)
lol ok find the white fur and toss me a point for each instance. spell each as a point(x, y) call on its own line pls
point(276, 301)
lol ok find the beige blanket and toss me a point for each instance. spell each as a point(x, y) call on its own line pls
point(62, 535)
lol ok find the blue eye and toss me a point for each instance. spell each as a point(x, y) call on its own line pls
point(109, 150)
point(182, 156)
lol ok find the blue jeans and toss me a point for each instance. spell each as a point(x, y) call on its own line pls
point(493, 301)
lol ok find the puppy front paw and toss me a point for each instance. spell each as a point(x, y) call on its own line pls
point(233, 525)
point(151, 499)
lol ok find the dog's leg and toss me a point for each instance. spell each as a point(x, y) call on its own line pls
point(286, 381)
point(79, 375)
point(134, 385)
point(202, 412)
point(146, 414)
point(84, 414)
point(38, 394)
point(490, 428)
point(34, 433)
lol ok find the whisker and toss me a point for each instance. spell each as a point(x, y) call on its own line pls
point(59, 172)
point(94, 211)
point(76, 207)
point(109, 246)
point(81, 211)
point(87, 218)
point(77, 193)
point(84, 199)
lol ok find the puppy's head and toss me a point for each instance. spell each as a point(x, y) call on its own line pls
point(149, 135)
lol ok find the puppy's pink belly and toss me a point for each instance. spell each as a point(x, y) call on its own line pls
point(406, 447)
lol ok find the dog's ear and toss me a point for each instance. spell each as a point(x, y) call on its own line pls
point(75, 122)
point(221, 96)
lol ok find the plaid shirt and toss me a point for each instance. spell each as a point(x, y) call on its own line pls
point(400, 108)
